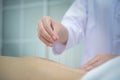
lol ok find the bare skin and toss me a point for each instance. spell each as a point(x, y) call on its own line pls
point(33, 68)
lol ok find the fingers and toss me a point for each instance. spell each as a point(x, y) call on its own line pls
point(45, 32)
point(98, 60)
point(49, 29)
point(55, 27)
point(92, 64)
point(47, 23)
point(42, 32)
point(45, 41)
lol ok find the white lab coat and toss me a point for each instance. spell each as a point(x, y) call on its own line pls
point(95, 21)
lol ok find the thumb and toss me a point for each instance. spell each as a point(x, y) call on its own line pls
point(56, 28)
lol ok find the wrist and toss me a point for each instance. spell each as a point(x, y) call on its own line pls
point(63, 36)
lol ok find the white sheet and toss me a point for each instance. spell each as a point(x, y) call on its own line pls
point(107, 71)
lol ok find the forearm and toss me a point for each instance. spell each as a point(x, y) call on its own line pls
point(63, 35)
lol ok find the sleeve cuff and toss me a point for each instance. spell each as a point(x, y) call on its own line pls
point(58, 48)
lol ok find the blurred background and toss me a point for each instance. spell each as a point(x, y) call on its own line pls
point(18, 29)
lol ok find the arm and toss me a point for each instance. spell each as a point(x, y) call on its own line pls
point(67, 34)
point(75, 21)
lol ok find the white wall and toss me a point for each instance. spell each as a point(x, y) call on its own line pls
point(0, 27)
point(20, 19)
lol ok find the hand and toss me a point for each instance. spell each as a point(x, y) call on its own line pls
point(49, 31)
point(97, 61)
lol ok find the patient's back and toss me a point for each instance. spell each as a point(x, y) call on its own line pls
point(33, 68)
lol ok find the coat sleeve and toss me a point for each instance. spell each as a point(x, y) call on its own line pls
point(75, 21)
